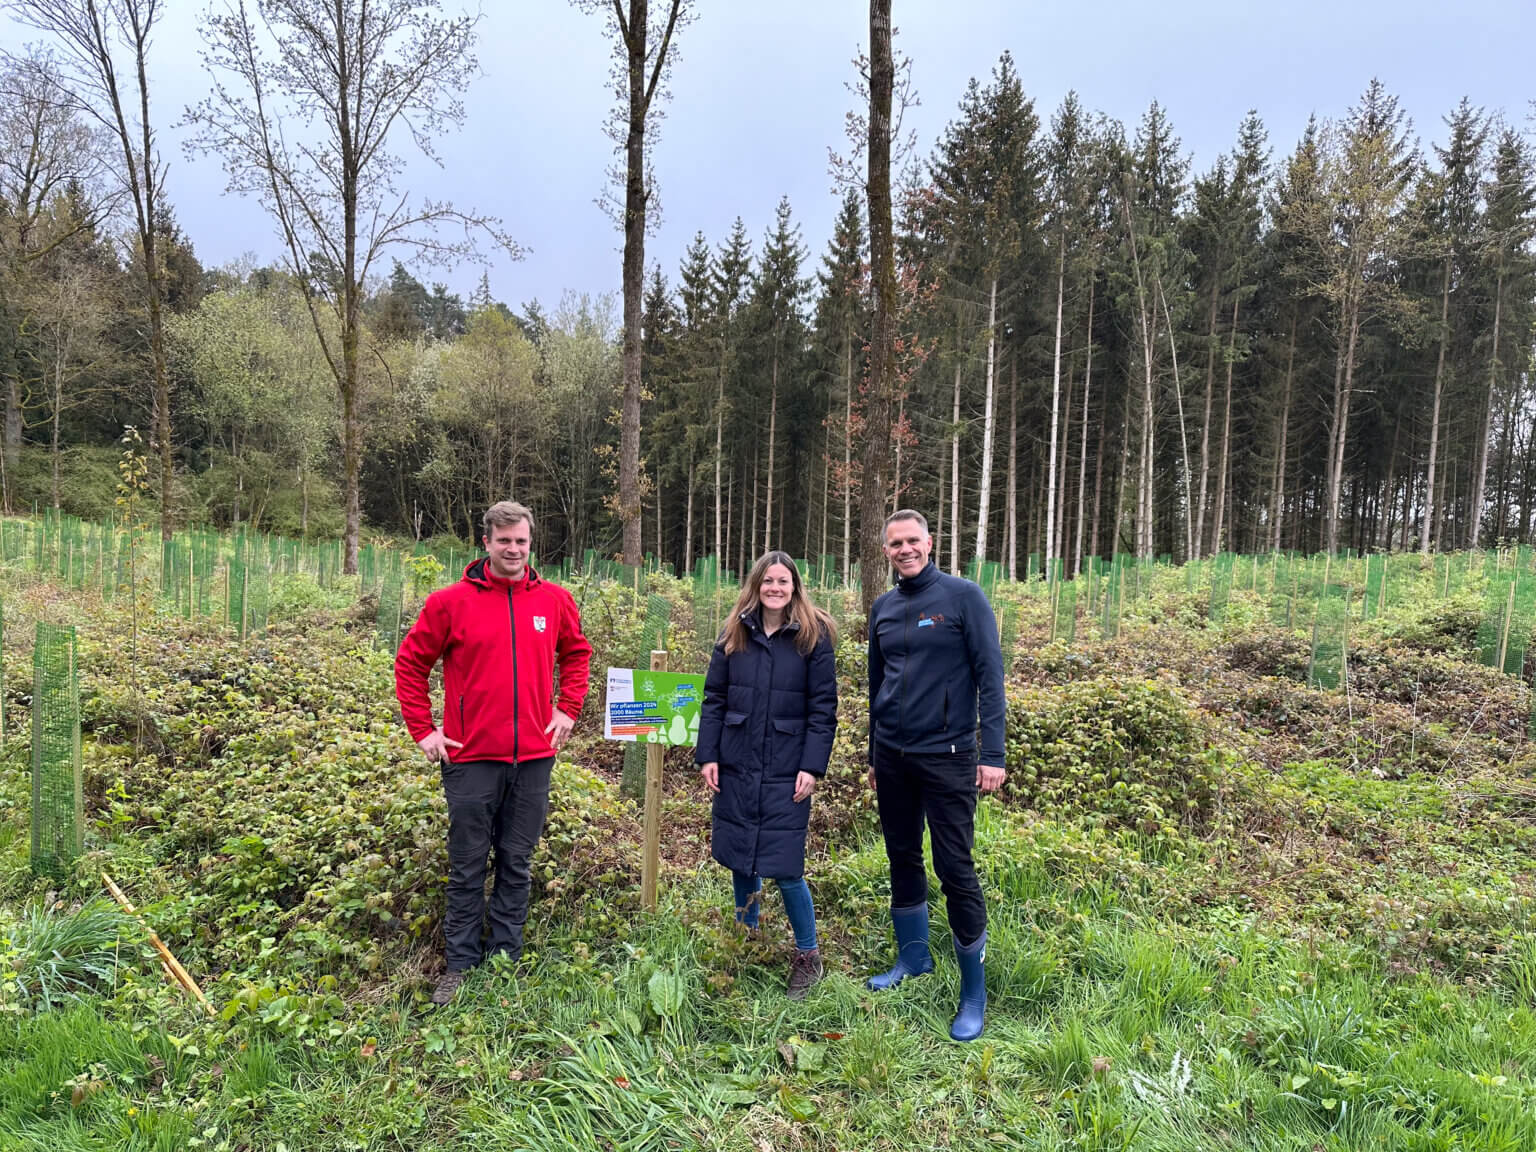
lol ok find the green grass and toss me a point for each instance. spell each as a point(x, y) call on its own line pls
point(1105, 1030)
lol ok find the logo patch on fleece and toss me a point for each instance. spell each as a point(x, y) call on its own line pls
point(924, 621)
point(538, 623)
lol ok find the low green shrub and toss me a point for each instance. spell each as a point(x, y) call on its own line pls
point(1130, 754)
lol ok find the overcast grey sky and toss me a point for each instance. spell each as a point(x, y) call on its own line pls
point(759, 94)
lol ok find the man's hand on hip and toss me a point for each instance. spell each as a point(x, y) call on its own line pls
point(990, 779)
point(434, 745)
point(559, 728)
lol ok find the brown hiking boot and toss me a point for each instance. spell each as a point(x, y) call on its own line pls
point(447, 984)
point(804, 970)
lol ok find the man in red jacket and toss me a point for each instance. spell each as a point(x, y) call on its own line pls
point(500, 632)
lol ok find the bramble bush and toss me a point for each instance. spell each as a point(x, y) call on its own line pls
point(1113, 753)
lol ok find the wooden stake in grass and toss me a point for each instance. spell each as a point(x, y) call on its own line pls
point(167, 959)
point(651, 858)
point(1509, 615)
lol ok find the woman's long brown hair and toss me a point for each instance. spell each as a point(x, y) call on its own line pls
point(814, 623)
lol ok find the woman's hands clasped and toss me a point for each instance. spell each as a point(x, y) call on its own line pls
point(805, 783)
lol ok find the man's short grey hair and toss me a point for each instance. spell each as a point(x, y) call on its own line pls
point(908, 514)
point(505, 513)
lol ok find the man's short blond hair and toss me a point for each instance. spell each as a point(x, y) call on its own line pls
point(505, 513)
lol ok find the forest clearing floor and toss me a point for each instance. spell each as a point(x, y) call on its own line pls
point(1227, 910)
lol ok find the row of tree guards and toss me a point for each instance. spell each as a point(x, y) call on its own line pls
point(231, 578)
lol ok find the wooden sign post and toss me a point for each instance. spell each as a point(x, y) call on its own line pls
point(651, 860)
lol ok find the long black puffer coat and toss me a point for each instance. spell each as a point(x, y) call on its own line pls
point(769, 713)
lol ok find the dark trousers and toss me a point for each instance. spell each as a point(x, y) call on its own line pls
point(941, 790)
point(493, 807)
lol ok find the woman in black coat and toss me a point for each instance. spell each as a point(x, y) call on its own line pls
point(765, 736)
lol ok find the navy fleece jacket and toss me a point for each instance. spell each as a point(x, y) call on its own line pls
point(935, 665)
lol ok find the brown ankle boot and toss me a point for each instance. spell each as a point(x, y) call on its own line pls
point(804, 970)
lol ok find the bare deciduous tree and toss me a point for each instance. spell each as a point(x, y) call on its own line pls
point(105, 65)
point(357, 74)
point(642, 43)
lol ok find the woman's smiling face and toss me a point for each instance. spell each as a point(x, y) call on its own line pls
point(777, 588)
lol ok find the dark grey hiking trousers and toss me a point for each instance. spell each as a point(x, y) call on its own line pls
point(494, 808)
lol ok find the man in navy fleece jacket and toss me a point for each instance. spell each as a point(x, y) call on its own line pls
point(935, 667)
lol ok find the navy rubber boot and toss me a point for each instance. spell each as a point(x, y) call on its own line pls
point(973, 990)
point(912, 955)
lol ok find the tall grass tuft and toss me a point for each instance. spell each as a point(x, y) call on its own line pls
point(58, 954)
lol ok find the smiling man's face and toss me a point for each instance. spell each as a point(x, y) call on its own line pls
point(907, 545)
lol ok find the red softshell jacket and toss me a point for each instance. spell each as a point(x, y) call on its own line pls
point(499, 642)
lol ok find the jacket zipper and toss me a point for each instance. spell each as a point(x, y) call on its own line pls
point(906, 638)
point(516, 706)
point(461, 719)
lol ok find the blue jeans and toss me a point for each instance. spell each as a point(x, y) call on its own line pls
point(797, 905)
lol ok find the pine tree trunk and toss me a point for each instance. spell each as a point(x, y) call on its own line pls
point(826, 482)
point(1383, 535)
point(1226, 437)
point(773, 419)
point(1125, 467)
point(720, 549)
point(1277, 494)
point(1408, 484)
point(1205, 424)
point(1050, 489)
point(1013, 468)
point(688, 518)
point(847, 455)
point(1506, 444)
point(954, 472)
point(1344, 382)
point(1446, 478)
point(1480, 478)
point(1434, 411)
point(1098, 477)
point(753, 551)
point(988, 428)
point(1082, 456)
point(1178, 397)
point(938, 530)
